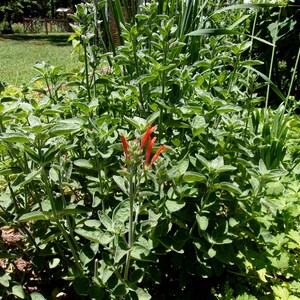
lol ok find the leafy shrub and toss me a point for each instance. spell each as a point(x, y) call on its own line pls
point(104, 216)
point(18, 28)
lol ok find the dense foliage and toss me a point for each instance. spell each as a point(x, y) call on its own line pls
point(15, 10)
point(213, 210)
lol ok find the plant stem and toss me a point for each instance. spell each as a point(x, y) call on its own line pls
point(71, 230)
point(131, 227)
point(293, 77)
point(61, 228)
point(73, 251)
point(86, 71)
point(272, 59)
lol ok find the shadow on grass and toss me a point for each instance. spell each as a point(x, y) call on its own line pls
point(59, 39)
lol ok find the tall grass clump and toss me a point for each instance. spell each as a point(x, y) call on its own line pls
point(162, 169)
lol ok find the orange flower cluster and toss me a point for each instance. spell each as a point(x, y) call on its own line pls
point(146, 139)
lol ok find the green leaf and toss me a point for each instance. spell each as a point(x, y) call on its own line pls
point(37, 296)
point(183, 166)
point(213, 31)
point(97, 293)
point(224, 31)
point(136, 275)
point(137, 122)
point(14, 137)
point(17, 290)
point(262, 273)
point(35, 216)
point(95, 235)
point(198, 125)
point(71, 210)
point(275, 188)
point(270, 82)
point(105, 220)
point(229, 187)
point(21, 181)
point(211, 253)
point(54, 263)
point(153, 117)
point(143, 294)
point(64, 128)
point(88, 252)
point(120, 290)
point(194, 177)
point(204, 161)
point(146, 78)
point(5, 200)
point(121, 212)
point(228, 109)
point(174, 206)
point(202, 222)
point(281, 292)
point(10, 171)
point(81, 285)
point(295, 236)
point(120, 181)
point(119, 253)
point(245, 296)
point(82, 106)
point(139, 252)
point(83, 163)
point(5, 280)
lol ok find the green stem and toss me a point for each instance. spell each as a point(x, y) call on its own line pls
point(131, 227)
point(73, 251)
point(99, 169)
point(236, 65)
point(67, 217)
point(61, 228)
point(48, 87)
point(12, 195)
point(293, 77)
point(86, 71)
point(48, 190)
point(272, 59)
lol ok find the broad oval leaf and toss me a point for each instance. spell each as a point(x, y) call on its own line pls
point(14, 137)
point(83, 163)
point(174, 206)
point(194, 177)
point(64, 129)
point(95, 235)
point(34, 216)
point(202, 222)
point(37, 296)
point(81, 285)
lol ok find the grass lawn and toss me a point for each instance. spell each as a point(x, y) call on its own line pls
point(20, 52)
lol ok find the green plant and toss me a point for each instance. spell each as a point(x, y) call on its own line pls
point(108, 219)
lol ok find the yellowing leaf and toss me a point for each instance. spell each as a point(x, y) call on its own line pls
point(262, 273)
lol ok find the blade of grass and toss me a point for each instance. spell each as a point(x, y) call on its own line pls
point(223, 31)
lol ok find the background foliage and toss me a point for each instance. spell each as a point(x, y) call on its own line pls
point(216, 215)
point(15, 10)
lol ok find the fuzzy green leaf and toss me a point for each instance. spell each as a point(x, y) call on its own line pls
point(202, 222)
point(194, 177)
point(37, 296)
point(14, 137)
point(35, 216)
point(95, 235)
point(81, 285)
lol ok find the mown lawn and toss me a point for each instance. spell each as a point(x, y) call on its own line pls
point(20, 52)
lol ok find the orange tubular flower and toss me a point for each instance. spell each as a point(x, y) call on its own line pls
point(125, 147)
point(149, 149)
point(147, 135)
point(158, 152)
